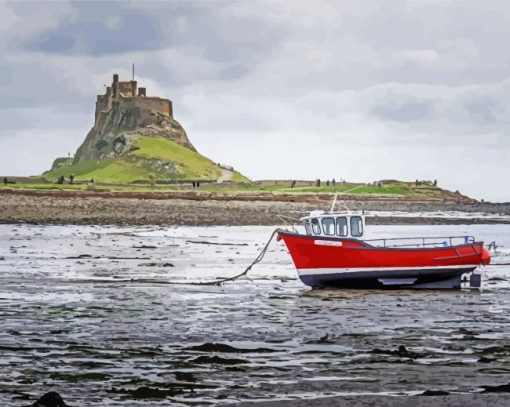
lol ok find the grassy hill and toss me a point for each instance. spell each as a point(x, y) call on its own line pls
point(154, 158)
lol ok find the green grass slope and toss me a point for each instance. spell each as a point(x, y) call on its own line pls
point(155, 158)
point(393, 188)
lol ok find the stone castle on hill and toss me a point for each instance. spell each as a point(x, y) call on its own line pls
point(127, 90)
point(123, 115)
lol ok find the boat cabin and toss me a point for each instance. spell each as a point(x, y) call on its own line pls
point(320, 223)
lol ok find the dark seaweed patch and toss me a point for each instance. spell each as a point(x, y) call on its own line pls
point(88, 256)
point(144, 352)
point(497, 350)
point(434, 393)
point(503, 388)
point(76, 378)
point(224, 348)
point(217, 360)
point(185, 377)
point(156, 264)
point(216, 243)
point(401, 352)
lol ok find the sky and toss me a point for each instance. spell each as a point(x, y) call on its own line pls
point(360, 90)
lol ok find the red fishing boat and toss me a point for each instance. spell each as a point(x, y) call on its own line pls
point(333, 253)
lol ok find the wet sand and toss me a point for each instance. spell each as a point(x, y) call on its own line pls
point(452, 400)
point(88, 311)
point(192, 209)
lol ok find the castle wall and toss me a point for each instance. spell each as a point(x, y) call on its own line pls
point(103, 102)
point(157, 104)
point(126, 89)
point(125, 93)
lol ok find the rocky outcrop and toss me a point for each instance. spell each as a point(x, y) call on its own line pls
point(51, 399)
point(116, 130)
point(135, 139)
point(61, 162)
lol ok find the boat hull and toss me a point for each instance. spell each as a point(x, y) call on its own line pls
point(431, 278)
point(323, 262)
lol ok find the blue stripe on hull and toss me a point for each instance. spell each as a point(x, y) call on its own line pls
point(425, 279)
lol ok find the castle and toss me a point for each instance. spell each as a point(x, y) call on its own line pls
point(123, 114)
point(126, 92)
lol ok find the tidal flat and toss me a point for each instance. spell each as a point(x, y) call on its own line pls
point(88, 311)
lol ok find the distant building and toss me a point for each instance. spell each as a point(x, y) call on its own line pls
point(126, 91)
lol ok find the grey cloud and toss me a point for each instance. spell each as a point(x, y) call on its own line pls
point(485, 111)
point(444, 113)
point(348, 76)
point(92, 35)
point(233, 72)
point(396, 109)
point(209, 30)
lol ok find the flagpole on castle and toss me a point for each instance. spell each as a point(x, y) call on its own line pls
point(133, 71)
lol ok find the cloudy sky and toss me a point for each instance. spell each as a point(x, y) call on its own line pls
point(354, 90)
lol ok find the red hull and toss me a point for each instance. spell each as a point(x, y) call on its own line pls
point(334, 261)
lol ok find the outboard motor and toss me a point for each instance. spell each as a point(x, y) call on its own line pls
point(475, 280)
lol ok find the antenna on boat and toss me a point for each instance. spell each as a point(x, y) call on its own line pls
point(334, 203)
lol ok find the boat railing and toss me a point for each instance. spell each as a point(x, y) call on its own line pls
point(435, 241)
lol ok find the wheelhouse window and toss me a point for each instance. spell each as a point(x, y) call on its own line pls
point(341, 226)
point(308, 228)
point(356, 226)
point(328, 226)
point(316, 227)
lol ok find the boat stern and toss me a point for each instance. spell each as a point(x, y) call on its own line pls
point(486, 257)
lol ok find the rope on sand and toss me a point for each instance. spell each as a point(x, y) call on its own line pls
point(258, 259)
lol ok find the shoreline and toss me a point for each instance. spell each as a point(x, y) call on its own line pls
point(204, 209)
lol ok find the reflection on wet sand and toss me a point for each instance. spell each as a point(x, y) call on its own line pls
point(351, 293)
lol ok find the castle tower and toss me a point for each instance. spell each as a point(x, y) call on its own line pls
point(133, 88)
point(115, 84)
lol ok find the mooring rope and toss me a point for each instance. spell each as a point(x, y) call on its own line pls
point(258, 259)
